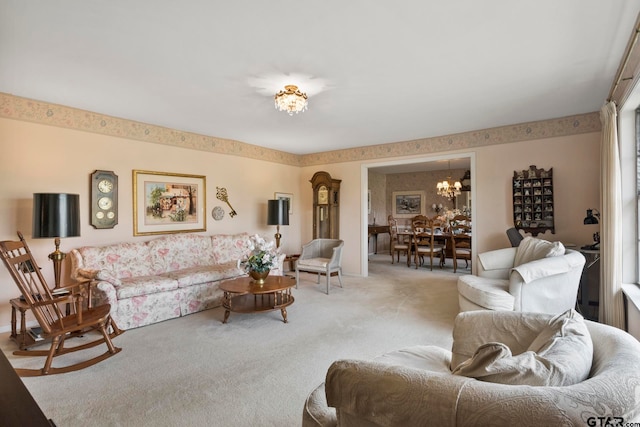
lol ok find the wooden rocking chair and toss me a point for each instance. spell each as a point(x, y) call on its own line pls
point(46, 307)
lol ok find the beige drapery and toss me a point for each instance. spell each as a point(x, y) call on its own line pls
point(611, 310)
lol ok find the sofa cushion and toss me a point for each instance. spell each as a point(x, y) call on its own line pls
point(180, 251)
point(117, 261)
point(205, 274)
point(492, 294)
point(144, 285)
point(560, 355)
point(531, 249)
point(230, 247)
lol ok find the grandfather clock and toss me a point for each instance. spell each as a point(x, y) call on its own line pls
point(326, 206)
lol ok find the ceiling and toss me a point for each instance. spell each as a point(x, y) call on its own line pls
point(375, 71)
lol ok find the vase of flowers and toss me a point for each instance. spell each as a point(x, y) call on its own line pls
point(261, 259)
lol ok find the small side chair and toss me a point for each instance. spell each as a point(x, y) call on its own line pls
point(321, 256)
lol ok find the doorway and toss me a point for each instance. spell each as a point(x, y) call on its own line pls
point(435, 165)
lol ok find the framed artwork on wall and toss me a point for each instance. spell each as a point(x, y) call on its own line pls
point(168, 203)
point(369, 201)
point(285, 196)
point(407, 204)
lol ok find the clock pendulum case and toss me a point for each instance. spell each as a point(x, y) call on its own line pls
point(326, 206)
point(104, 199)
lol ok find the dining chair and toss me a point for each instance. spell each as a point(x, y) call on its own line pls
point(460, 244)
point(397, 244)
point(423, 240)
point(46, 307)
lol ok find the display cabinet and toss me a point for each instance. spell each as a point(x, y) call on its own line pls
point(326, 206)
point(533, 209)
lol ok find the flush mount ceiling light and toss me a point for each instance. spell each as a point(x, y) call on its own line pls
point(291, 100)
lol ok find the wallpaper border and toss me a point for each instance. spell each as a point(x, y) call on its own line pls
point(18, 108)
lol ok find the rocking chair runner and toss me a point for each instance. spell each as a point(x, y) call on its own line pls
point(46, 308)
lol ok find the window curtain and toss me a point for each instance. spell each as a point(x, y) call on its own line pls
point(611, 310)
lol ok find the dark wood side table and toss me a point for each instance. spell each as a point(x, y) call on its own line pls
point(22, 338)
point(374, 230)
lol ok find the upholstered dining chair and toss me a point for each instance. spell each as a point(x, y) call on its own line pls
point(46, 307)
point(397, 244)
point(460, 243)
point(423, 240)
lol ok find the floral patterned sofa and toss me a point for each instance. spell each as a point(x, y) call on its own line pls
point(164, 278)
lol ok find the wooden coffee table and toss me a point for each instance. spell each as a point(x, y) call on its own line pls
point(243, 295)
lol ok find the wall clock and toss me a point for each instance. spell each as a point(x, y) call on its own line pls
point(104, 199)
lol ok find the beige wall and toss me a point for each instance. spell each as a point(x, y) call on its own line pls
point(575, 163)
point(42, 158)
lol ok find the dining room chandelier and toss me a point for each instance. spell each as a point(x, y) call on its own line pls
point(291, 100)
point(447, 190)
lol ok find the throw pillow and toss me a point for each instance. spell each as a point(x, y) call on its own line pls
point(560, 355)
point(532, 249)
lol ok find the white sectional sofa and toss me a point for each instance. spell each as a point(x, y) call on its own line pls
point(164, 278)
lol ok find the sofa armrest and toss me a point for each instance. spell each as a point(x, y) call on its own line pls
point(392, 395)
point(105, 292)
point(496, 264)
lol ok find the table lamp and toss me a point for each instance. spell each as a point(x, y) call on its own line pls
point(56, 215)
point(278, 214)
point(592, 218)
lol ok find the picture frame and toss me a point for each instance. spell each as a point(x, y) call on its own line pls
point(369, 202)
point(285, 196)
point(407, 204)
point(165, 203)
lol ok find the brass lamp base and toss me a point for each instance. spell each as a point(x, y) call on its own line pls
point(278, 236)
point(57, 257)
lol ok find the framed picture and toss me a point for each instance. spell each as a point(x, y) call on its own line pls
point(285, 196)
point(168, 203)
point(369, 201)
point(407, 204)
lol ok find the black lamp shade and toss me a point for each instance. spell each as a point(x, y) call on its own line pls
point(56, 215)
point(278, 212)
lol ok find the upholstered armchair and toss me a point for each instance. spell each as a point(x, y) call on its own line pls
point(537, 276)
point(321, 256)
point(578, 372)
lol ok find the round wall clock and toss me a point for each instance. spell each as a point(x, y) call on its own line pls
point(104, 199)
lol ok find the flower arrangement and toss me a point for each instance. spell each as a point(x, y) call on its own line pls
point(262, 256)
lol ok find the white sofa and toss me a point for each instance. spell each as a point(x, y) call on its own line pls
point(164, 278)
point(537, 276)
point(417, 386)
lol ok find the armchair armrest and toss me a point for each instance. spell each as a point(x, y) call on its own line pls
point(308, 250)
point(391, 395)
point(334, 261)
point(496, 264)
point(550, 266)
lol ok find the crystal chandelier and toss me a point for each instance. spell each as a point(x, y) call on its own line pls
point(291, 100)
point(447, 190)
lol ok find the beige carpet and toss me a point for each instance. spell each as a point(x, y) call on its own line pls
point(255, 370)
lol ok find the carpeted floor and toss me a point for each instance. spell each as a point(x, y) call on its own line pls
point(255, 370)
